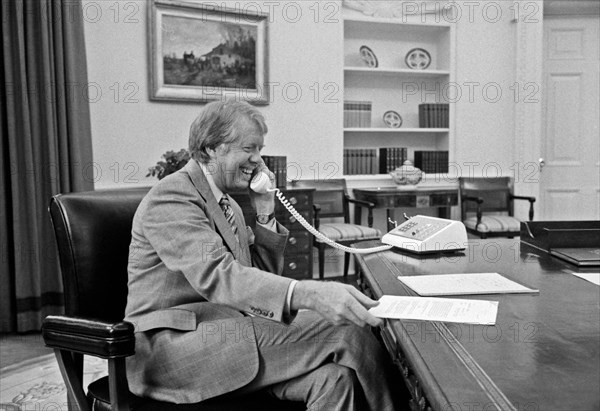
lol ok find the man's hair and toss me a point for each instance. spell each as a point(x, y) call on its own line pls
point(216, 125)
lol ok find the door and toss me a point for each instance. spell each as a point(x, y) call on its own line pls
point(570, 175)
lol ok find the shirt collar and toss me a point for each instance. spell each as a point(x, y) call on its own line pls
point(211, 182)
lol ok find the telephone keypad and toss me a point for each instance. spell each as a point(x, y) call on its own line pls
point(419, 228)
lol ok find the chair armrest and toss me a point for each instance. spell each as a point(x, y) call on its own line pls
point(361, 203)
point(478, 200)
point(316, 209)
point(357, 211)
point(531, 201)
point(98, 338)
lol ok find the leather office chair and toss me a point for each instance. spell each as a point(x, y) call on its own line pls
point(93, 232)
point(331, 200)
point(480, 196)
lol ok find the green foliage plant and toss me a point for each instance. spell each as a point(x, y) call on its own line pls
point(170, 163)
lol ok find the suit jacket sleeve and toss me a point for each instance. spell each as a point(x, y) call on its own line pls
point(176, 223)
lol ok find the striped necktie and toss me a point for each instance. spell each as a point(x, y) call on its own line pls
point(229, 214)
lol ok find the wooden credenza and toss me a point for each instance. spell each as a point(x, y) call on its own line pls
point(298, 260)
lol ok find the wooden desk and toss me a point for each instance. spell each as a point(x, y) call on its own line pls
point(542, 354)
point(395, 197)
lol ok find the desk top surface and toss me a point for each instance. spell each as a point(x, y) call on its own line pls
point(543, 352)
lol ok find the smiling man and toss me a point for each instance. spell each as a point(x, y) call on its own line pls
point(213, 314)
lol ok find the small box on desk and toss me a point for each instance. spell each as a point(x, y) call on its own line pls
point(547, 235)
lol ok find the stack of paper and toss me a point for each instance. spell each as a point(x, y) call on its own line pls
point(463, 284)
point(591, 277)
point(436, 309)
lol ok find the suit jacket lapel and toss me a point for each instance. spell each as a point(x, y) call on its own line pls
point(213, 209)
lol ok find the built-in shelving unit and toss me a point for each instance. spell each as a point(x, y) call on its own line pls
point(394, 72)
point(394, 86)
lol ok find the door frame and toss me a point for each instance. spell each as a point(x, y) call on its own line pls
point(529, 71)
point(529, 42)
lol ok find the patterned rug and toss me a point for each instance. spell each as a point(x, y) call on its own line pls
point(36, 384)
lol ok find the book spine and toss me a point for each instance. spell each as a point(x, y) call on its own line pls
point(345, 163)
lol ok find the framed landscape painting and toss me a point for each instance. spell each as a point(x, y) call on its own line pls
point(202, 52)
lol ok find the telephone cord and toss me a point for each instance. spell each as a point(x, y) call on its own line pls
point(320, 235)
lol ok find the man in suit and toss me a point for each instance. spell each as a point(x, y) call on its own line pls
point(211, 311)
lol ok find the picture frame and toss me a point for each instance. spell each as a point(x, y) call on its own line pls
point(201, 52)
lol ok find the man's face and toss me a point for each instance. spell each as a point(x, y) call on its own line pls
point(233, 168)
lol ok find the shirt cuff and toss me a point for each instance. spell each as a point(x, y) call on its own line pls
point(288, 299)
point(271, 226)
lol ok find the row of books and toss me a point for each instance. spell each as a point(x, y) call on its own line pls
point(431, 115)
point(357, 114)
point(434, 115)
point(391, 158)
point(372, 160)
point(432, 161)
point(360, 161)
point(278, 166)
point(387, 159)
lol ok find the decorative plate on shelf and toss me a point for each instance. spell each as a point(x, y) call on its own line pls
point(368, 56)
point(418, 59)
point(392, 119)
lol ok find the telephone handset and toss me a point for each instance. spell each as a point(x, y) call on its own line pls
point(261, 183)
point(419, 234)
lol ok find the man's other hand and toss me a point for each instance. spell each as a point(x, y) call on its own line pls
point(336, 302)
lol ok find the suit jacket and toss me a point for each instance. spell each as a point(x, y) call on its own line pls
point(190, 283)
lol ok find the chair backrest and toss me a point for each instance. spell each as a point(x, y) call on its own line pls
point(330, 195)
point(495, 192)
point(93, 232)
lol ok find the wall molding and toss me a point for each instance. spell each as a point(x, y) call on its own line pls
point(529, 42)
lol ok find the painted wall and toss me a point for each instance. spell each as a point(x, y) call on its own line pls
point(485, 75)
point(130, 132)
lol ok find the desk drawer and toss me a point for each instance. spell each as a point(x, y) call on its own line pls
point(298, 267)
point(444, 200)
point(299, 242)
point(290, 222)
point(300, 201)
point(405, 201)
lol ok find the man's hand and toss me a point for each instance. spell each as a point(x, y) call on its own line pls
point(336, 302)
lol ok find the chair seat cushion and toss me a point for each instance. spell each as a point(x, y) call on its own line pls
point(494, 224)
point(348, 232)
point(98, 396)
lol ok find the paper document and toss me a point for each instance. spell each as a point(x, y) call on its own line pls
point(591, 277)
point(463, 284)
point(437, 309)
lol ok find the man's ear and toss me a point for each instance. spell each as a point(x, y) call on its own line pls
point(212, 153)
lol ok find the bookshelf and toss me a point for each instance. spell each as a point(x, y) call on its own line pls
point(394, 86)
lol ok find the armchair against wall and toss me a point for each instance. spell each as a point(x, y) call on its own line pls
point(487, 206)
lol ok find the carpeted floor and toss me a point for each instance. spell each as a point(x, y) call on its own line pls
point(15, 348)
point(36, 384)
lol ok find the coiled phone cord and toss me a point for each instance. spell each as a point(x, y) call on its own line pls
point(320, 235)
